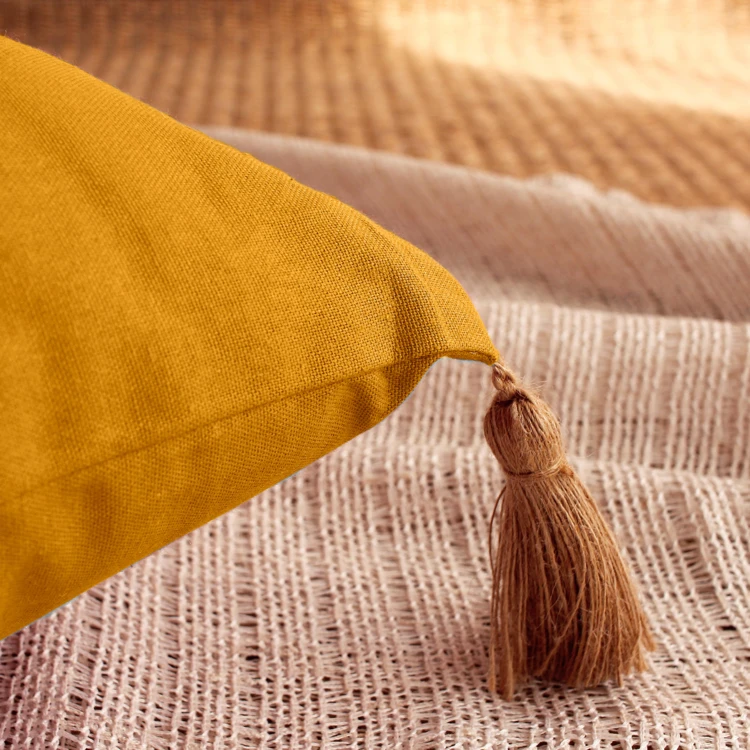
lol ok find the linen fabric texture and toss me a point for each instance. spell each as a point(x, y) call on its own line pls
point(181, 327)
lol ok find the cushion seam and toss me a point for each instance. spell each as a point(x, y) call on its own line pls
point(434, 356)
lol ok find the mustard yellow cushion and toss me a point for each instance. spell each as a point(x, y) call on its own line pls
point(181, 327)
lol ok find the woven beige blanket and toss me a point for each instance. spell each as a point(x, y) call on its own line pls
point(348, 606)
point(650, 96)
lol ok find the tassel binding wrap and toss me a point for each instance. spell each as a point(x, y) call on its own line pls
point(564, 607)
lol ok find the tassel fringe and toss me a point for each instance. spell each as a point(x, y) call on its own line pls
point(564, 607)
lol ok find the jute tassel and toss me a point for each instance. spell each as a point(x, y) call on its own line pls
point(563, 605)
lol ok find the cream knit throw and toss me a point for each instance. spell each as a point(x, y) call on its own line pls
point(348, 606)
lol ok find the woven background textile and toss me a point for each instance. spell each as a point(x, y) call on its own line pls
point(652, 97)
point(347, 606)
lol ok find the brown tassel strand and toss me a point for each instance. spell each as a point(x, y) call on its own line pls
point(564, 607)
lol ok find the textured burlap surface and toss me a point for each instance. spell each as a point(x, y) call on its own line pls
point(652, 97)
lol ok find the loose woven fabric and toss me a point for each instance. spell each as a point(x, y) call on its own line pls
point(348, 606)
point(651, 97)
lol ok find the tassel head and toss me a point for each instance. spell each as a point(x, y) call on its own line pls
point(564, 607)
